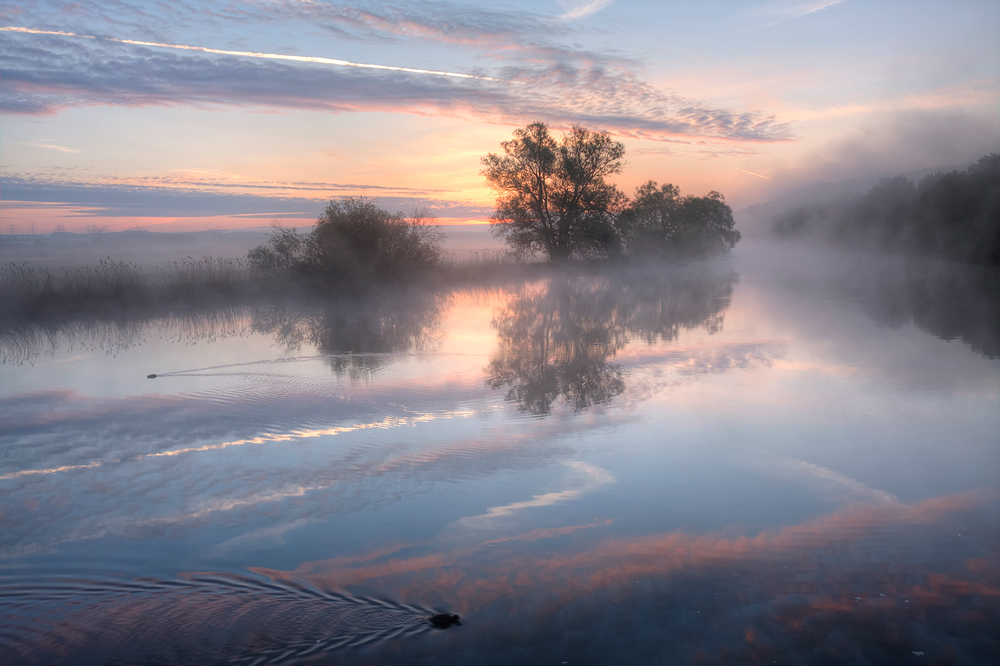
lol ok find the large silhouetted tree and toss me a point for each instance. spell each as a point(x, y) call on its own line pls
point(552, 195)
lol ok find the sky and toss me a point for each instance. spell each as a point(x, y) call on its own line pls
point(226, 114)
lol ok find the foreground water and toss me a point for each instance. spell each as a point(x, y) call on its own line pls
point(771, 459)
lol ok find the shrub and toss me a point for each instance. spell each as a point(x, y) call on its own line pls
point(353, 240)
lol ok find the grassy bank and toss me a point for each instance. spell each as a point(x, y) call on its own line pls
point(38, 292)
point(29, 293)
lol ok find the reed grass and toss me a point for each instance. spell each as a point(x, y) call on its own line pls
point(26, 290)
point(486, 266)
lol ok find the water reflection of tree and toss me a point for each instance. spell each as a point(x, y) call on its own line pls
point(357, 336)
point(556, 339)
point(946, 300)
point(113, 333)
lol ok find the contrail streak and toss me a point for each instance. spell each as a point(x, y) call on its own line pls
point(253, 54)
point(755, 174)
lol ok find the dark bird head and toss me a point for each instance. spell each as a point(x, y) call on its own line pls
point(444, 620)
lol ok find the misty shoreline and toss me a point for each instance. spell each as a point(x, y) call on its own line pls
point(952, 215)
point(947, 299)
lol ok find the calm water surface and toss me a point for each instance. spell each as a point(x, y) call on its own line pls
point(763, 460)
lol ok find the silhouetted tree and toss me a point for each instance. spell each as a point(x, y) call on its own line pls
point(552, 195)
point(802, 221)
point(881, 215)
point(659, 221)
point(353, 239)
point(955, 215)
point(355, 236)
point(284, 251)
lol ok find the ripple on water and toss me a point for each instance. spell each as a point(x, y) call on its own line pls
point(200, 618)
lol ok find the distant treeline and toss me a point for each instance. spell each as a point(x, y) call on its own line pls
point(954, 215)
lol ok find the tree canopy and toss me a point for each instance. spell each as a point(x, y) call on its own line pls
point(552, 195)
point(353, 239)
point(955, 215)
point(355, 236)
point(660, 221)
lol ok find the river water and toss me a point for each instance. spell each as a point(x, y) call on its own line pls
point(785, 457)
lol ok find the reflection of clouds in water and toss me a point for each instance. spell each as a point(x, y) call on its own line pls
point(265, 537)
point(151, 501)
point(68, 428)
point(800, 471)
point(268, 458)
point(858, 526)
point(652, 370)
point(710, 358)
point(384, 424)
point(108, 454)
point(218, 485)
point(594, 477)
point(877, 577)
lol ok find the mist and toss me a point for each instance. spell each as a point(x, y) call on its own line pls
point(827, 182)
point(776, 388)
point(149, 249)
point(435, 337)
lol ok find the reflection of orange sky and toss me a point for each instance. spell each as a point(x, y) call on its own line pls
point(479, 574)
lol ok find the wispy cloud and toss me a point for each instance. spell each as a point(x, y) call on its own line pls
point(185, 197)
point(51, 146)
point(586, 9)
point(46, 70)
point(755, 174)
point(780, 12)
point(253, 54)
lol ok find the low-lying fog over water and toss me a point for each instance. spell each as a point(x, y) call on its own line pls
point(790, 456)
